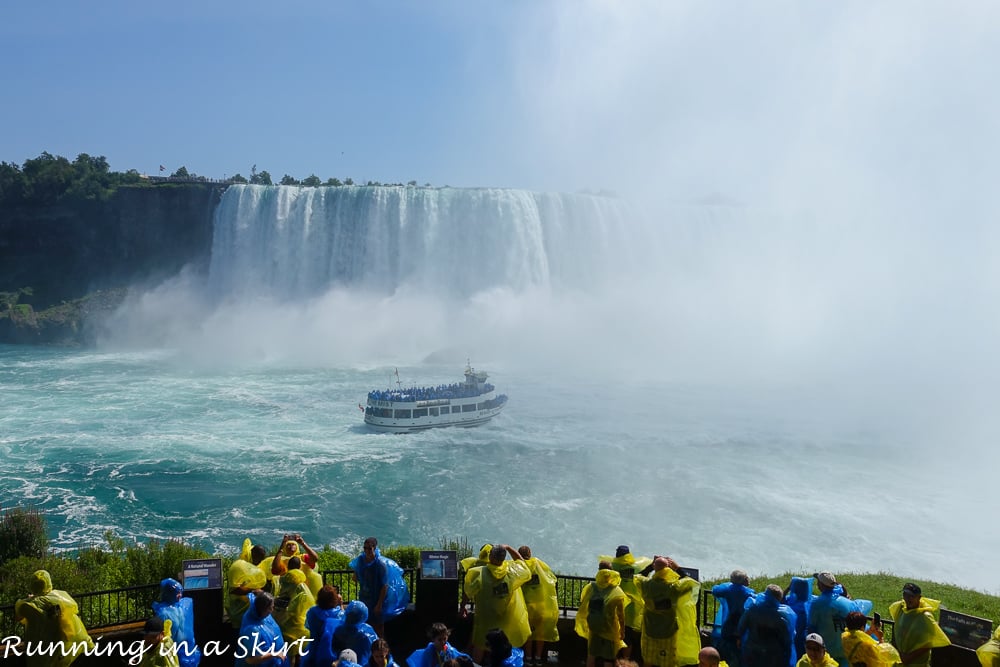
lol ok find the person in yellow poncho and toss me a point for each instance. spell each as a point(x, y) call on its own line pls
point(627, 565)
point(601, 616)
point(860, 648)
point(916, 631)
point(291, 606)
point(669, 622)
point(816, 655)
point(496, 590)
point(543, 607)
point(465, 565)
point(989, 653)
point(244, 577)
point(51, 616)
point(158, 647)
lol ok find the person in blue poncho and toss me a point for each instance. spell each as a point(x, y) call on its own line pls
point(766, 630)
point(799, 597)
point(179, 610)
point(732, 597)
point(381, 655)
point(322, 620)
point(437, 652)
point(354, 633)
point(381, 585)
point(830, 606)
point(502, 654)
point(260, 641)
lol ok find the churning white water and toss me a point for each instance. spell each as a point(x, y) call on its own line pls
point(706, 382)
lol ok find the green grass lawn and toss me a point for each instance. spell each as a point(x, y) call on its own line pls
point(883, 588)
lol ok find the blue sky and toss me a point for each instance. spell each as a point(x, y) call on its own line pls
point(772, 101)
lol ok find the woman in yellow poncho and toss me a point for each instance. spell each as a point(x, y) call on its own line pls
point(860, 648)
point(627, 565)
point(51, 616)
point(916, 630)
point(496, 589)
point(669, 623)
point(601, 617)
point(291, 606)
point(244, 578)
point(543, 606)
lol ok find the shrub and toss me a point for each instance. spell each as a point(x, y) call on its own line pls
point(23, 532)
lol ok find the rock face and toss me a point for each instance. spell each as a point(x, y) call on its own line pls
point(65, 252)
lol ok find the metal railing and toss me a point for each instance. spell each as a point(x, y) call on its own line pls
point(101, 609)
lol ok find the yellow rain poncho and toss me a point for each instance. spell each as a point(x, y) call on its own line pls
point(541, 601)
point(51, 616)
point(669, 622)
point(496, 590)
point(163, 654)
point(597, 618)
point(291, 605)
point(474, 561)
point(628, 566)
point(917, 628)
point(989, 653)
point(860, 647)
point(242, 574)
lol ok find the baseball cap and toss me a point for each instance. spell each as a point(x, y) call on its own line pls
point(826, 579)
point(621, 550)
point(348, 655)
point(815, 638)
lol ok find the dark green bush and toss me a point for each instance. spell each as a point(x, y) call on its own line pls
point(23, 532)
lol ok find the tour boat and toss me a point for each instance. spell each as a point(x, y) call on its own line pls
point(469, 403)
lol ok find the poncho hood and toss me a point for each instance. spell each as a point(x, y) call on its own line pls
point(41, 582)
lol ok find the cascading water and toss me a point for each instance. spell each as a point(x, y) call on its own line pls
point(289, 241)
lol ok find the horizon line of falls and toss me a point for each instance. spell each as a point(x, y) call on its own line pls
point(287, 241)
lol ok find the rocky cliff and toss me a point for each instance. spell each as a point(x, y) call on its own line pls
point(67, 251)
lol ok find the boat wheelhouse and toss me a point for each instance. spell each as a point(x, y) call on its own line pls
point(469, 403)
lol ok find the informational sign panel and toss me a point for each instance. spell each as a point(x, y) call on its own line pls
point(690, 572)
point(202, 574)
point(438, 565)
point(964, 630)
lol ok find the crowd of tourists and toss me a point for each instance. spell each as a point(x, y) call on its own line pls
point(637, 611)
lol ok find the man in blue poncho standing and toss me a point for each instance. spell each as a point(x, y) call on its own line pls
point(381, 585)
point(767, 631)
point(832, 604)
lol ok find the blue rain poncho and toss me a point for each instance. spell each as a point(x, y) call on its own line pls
point(354, 633)
point(259, 635)
point(372, 576)
point(825, 608)
point(767, 631)
point(321, 624)
point(429, 656)
point(180, 612)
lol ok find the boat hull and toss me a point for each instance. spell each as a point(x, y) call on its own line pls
point(461, 420)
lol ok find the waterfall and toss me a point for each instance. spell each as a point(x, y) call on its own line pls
point(288, 242)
